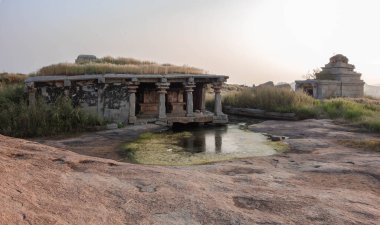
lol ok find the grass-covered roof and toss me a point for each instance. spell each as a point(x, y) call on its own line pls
point(91, 65)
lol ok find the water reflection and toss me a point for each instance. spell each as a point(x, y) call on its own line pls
point(225, 139)
point(207, 139)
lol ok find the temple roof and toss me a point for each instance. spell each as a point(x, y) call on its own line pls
point(339, 61)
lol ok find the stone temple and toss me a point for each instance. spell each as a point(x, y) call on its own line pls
point(136, 98)
point(337, 79)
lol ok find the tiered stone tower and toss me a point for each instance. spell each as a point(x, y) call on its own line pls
point(341, 70)
point(338, 79)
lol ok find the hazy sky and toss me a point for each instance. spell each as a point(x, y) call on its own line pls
point(252, 41)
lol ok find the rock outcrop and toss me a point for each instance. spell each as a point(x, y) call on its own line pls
point(327, 184)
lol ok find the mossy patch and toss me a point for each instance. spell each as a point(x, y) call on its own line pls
point(279, 146)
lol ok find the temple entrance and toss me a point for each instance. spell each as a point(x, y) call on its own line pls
point(308, 89)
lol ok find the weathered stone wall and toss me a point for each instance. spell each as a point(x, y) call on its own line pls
point(50, 91)
point(328, 89)
point(109, 101)
point(115, 102)
point(352, 90)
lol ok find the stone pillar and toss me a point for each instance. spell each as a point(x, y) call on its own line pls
point(132, 89)
point(67, 85)
point(31, 94)
point(218, 99)
point(189, 88)
point(203, 100)
point(162, 88)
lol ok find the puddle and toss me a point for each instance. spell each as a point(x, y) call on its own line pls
point(198, 146)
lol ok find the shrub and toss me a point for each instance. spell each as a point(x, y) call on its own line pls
point(20, 120)
point(272, 99)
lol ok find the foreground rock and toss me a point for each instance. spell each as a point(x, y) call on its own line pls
point(319, 182)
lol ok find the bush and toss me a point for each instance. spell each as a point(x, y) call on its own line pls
point(20, 120)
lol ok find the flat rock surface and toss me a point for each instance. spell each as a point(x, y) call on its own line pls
point(317, 182)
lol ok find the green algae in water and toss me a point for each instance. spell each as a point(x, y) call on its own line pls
point(198, 146)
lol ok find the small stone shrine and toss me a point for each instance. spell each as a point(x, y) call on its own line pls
point(337, 79)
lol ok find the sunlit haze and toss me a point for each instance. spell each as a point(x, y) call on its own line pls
point(252, 41)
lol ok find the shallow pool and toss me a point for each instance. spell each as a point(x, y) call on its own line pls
point(198, 145)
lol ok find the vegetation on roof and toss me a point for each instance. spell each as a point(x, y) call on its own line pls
point(115, 65)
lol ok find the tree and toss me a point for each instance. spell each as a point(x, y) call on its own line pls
point(312, 75)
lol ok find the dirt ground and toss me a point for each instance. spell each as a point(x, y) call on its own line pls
point(318, 182)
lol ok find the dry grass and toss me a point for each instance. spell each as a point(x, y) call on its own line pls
point(11, 78)
point(118, 66)
point(273, 99)
point(361, 112)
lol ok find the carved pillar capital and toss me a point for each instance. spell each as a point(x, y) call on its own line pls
point(217, 87)
point(132, 87)
point(162, 87)
point(189, 87)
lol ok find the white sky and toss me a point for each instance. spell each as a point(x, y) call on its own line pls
point(252, 41)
